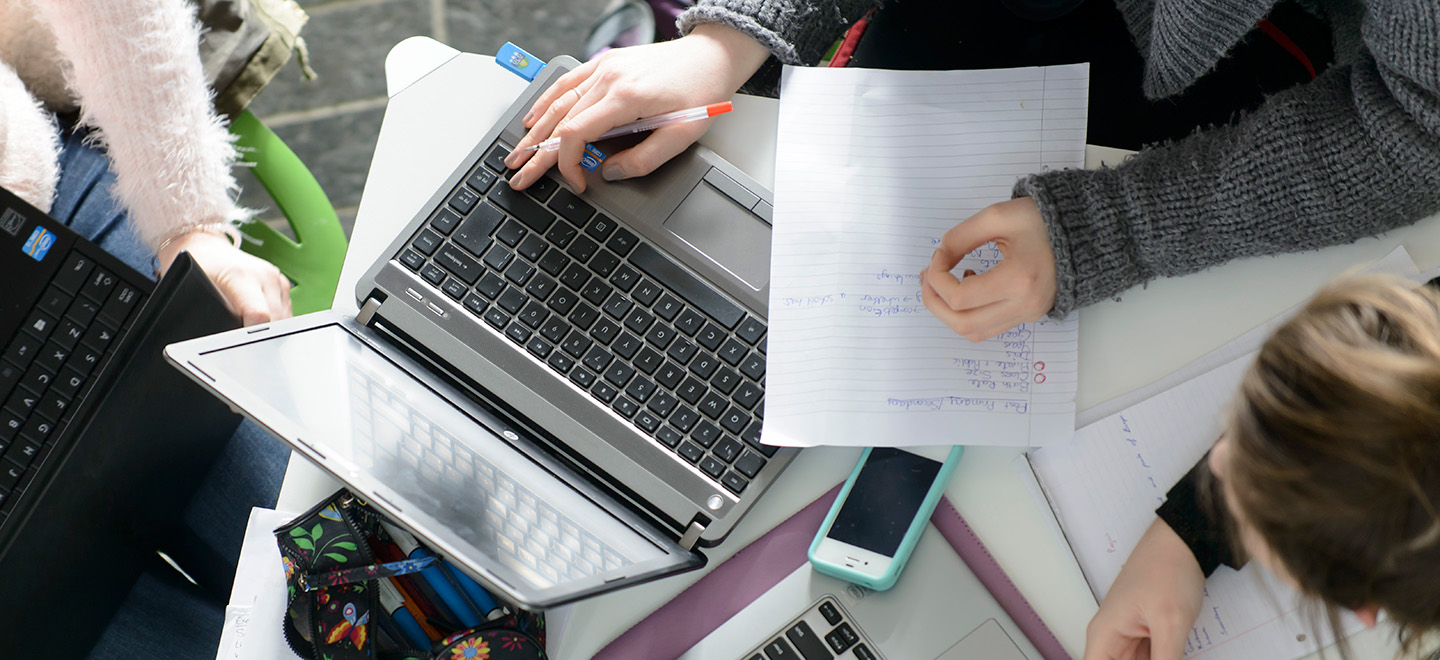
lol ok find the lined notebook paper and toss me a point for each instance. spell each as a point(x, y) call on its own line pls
point(872, 168)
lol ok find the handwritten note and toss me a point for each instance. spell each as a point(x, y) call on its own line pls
point(872, 168)
point(1104, 488)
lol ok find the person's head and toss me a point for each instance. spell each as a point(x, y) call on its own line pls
point(1330, 465)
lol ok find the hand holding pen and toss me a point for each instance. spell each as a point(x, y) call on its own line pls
point(648, 124)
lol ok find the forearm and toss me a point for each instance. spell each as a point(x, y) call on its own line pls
point(1332, 161)
point(797, 32)
point(138, 75)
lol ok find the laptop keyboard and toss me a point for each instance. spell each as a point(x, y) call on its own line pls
point(50, 359)
point(607, 310)
point(822, 632)
point(530, 534)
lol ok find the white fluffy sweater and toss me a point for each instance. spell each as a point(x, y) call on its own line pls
point(133, 69)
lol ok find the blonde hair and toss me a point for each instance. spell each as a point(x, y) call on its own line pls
point(1335, 454)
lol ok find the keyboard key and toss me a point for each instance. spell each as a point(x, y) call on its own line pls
point(662, 403)
point(713, 405)
point(622, 242)
point(687, 286)
point(481, 179)
point(712, 466)
point(532, 247)
point(576, 344)
point(660, 336)
point(669, 437)
point(626, 407)
point(734, 482)
point(604, 392)
point(11, 375)
point(37, 379)
point(704, 365)
point(475, 304)
point(863, 652)
point(69, 383)
point(542, 188)
point(747, 394)
point(597, 359)
point(495, 160)
point(563, 301)
point(463, 200)
point(491, 285)
point(517, 332)
point(445, 221)
point(555, 330)
point(684, 418)
point(604, 331)
point(98, 338)
point(640, 389)
point(647, 361)
point(692, 390)
point(540, 287)
point(778, 649)
point(22, 453)
point(711, 337)
point(512, 300)
point(682, 351)
point(519, 272)
point(638, 320)
point(539, 347)
point(572, 208)
point(734, 420)
point(617, 306)
point(582, 249)
point(582, 377)
point(625, 278)
point(842, 638)
point(733, 351)
point(10, 424)
point(83, 310)
point(690, 322)
point(459, 264)
point(454, 288)
point(691, 451)
point(52, 405)
point(498, 257)
point(705, 433)
point(830, 612)
point(55, 301)
point(52, 357)
point(479, 225)
point(554, 262)
point(524, 209)
point(725, 380)
point(433, 274)
point(600, 228)
point(22, 350)
point(412, 259)
point(22, 402)
point(648, 421)
point(511, 233)
point(754, 366)
point(74, 273)
point(670, 375)
point(647, 292)
point(584, 315)
point(39, 325)
point(751, 436)
point(604, 263)
point(560, 362)
point(596, 291)
point(534, 314)
point(626, 345)
point(575, 277)
point(751, 330)
point(750, 464)
point(426, 242)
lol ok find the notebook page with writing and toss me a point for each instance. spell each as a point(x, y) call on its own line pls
point(1104, 488)
point(871, 169)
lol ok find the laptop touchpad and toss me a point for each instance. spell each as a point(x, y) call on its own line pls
point(726, 232)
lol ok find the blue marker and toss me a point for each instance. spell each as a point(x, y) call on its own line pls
point(482, 599)
point(435, 577)
point(394, 603)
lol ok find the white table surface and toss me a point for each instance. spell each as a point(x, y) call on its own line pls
point(431, 123)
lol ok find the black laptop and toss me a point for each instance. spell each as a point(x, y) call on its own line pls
point(101, 444)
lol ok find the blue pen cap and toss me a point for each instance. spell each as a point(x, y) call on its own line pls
point(519, 62)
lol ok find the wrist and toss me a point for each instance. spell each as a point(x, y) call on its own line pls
point(183, 238)
point(742, 52)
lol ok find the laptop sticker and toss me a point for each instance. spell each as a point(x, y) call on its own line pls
point(38, 245)
point(593, 157)
point(11, 222)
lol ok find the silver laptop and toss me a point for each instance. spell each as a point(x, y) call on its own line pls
point(563, 393)
point(938, 610)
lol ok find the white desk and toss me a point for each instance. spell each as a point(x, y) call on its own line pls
point(1122, 345)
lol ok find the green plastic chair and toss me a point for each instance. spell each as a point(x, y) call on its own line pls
point(313, 261)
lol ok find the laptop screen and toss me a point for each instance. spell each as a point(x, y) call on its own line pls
point(449, 474)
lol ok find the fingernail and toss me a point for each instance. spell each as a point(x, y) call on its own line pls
point(614, 173)
point(517, 181)
point(528, 116)
point(968, 272)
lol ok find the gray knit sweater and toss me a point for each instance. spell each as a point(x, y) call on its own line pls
point(1351, 154)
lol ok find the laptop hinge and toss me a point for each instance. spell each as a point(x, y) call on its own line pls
point(367, 311)
point(692, 535)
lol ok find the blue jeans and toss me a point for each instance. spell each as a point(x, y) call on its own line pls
point(166, 617)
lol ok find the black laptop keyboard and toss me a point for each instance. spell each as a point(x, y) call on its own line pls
point(622, 321)
point(48, 361)
point(822, 632)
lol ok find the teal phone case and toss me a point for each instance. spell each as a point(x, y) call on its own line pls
point(912, 534)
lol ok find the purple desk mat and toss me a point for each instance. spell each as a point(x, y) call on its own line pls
point(733, 585)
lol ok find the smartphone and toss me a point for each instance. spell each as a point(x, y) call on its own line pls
point(880, 513)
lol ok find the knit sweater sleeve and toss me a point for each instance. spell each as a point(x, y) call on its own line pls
point(135, 67)
point(1350, 154)
point(797, 32)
